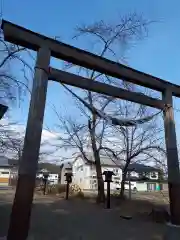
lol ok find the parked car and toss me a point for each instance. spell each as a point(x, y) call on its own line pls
point(133, 186)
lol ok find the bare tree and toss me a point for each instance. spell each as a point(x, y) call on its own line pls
point(11, 87)
point(10, 140)
point(109, 40)
point(139, 143)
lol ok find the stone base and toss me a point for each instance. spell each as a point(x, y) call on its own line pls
point(160, 215)
point(172, 232)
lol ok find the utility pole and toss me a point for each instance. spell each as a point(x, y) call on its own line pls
point(21, 210)
point(172, 159)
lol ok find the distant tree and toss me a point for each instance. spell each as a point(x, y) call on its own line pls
point(11, 87)
point(14, 83)
point(10, 141)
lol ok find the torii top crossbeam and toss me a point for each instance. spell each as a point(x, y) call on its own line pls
point(29, 39)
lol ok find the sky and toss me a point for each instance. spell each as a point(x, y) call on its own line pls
point(158, 54)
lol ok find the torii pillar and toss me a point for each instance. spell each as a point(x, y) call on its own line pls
point(21, 210)
point(173, 229)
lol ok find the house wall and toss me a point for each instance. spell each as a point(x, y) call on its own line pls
point(63, 178)
point(84, 175)
point(52, 178)
point(116, 179)
point(4, 176)
point(141, 186)
point(153, 175)
point(66, 168)
point(165, 186)
point(80, 173)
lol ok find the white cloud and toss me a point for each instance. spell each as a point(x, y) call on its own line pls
point(49, 142)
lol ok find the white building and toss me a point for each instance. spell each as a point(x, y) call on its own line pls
point(146, 177)
point(143, 178)
point(7, 171)
point(84, 172)
point(53, 178)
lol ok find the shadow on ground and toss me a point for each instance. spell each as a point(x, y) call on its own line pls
point(56, 219)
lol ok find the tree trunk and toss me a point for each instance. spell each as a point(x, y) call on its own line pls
point(124, 176)
point(100, 182)
point(101, 196)
point(122, 186)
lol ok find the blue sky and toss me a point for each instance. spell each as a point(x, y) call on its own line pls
point(158, 54)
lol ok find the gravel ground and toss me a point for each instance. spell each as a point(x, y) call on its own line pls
point(56, 219)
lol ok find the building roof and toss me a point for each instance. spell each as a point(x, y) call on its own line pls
point(139, 168)
point(107, 161)
point(67, 165)
point(6, 162)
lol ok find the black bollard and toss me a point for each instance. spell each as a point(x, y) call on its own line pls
point(108, 179)
point(45, 179)
point(45, 185)
point(67, 191)
point(68, 176)
point(108, 195)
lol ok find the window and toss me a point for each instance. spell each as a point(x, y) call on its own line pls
point(153, 175)
point(116, 178)
point(80, 168)
point(127, 183)
point(116, 170)
point(92, 167)
point(4, 172)
point(143, 174)
point(93, 181)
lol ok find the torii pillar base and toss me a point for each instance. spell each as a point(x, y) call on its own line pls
point(172, 232)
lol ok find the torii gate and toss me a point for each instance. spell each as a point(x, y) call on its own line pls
point(47, 47)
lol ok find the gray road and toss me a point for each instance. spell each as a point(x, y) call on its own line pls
point(77, 219)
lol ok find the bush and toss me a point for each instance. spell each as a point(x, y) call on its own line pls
point(75, 188)
point(115, 194)
point(80, 195)
point(56, 189)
